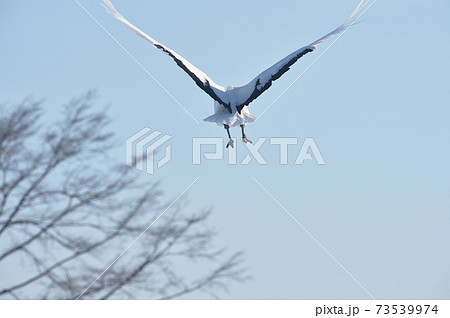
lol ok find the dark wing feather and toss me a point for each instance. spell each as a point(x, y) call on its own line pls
point(248, 93)
point(217, 92)
point(264, 80)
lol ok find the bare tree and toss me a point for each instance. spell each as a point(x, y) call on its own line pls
point(66, 213)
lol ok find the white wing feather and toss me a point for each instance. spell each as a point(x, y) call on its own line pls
point(202, 80)
point(247, 93)
point(238, 96)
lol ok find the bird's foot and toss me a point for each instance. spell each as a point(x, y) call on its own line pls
point(245, 139)
point(230, 143)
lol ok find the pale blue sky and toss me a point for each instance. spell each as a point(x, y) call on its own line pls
point(376, 103)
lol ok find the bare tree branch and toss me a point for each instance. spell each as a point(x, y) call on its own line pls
point(66, 211)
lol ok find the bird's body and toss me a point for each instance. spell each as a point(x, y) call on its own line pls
point(231, 103)
point(223, 117)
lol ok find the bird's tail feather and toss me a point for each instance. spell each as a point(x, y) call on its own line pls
point(363, 6)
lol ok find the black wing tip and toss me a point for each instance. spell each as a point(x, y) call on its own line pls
point(259, 90)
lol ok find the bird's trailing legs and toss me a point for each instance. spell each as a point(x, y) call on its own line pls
point(230, 141)
point(244, 137)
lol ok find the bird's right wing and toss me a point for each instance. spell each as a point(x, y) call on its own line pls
point(248, 93)
point(217, 92)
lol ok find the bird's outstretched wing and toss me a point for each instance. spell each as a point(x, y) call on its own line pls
point(200, 78)
point(248, 93)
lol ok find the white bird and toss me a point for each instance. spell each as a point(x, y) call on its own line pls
point(230, 102)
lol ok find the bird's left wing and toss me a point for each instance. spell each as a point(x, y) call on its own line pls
point(217, 92)
point(248, 93)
